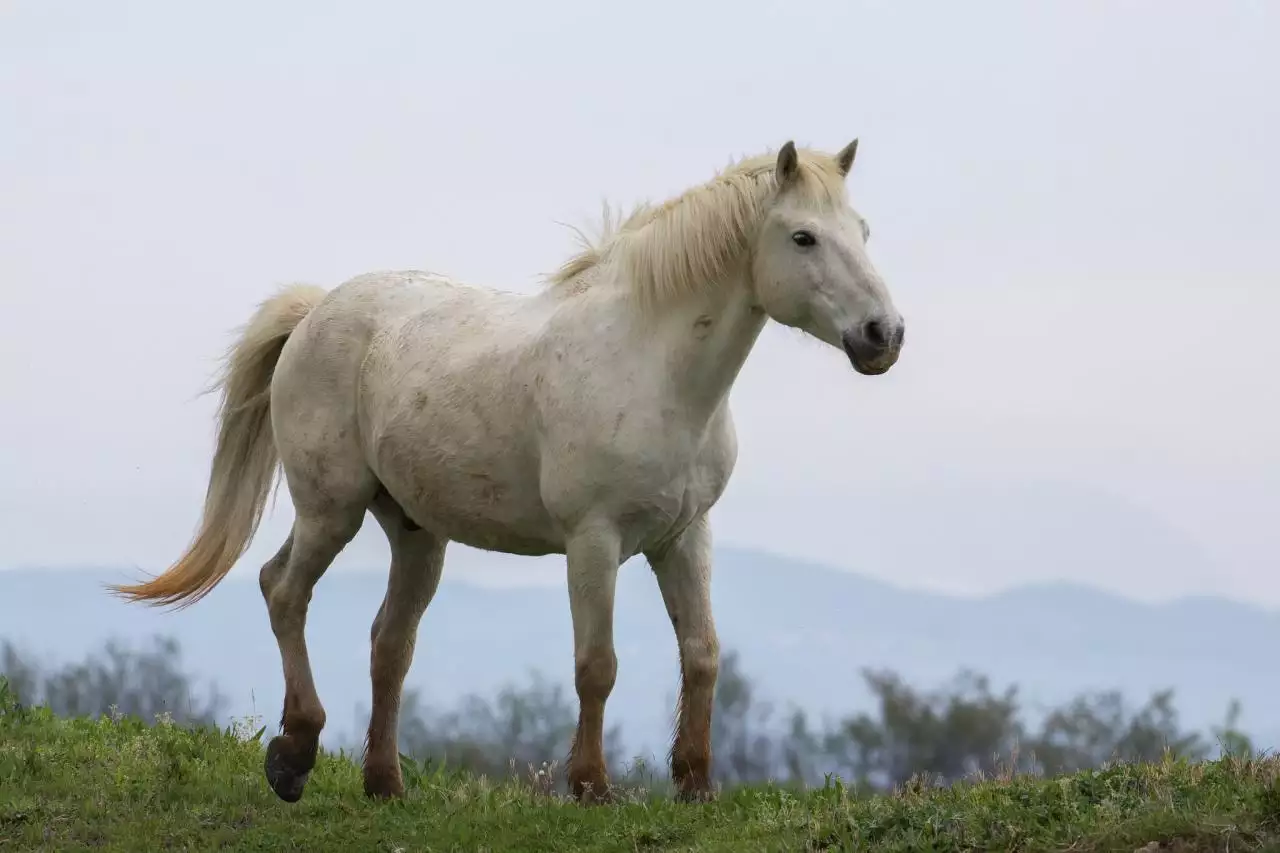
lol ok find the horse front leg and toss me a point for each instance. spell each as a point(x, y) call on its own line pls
point(684, 576)
point(593, 558)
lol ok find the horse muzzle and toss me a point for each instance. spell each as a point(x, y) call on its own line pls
point(874, 346)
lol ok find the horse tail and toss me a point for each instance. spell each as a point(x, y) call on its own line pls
point(244, 459)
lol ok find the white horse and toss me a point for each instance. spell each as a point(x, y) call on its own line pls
point(590, 419)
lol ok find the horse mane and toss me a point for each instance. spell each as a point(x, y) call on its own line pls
point(670, 250)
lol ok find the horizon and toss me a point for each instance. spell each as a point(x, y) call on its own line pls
point(504, 582)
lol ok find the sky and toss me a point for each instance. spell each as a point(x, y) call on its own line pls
point(1073, 204)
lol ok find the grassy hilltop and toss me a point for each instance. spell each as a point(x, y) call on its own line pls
point(117, 784)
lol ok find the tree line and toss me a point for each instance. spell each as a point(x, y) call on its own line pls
point(959, 729)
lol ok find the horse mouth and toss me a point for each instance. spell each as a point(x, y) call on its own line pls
point(871, 369)
point(871, 362)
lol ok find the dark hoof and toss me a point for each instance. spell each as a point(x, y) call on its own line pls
point(283, 778)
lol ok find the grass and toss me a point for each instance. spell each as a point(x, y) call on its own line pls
point(117, 784)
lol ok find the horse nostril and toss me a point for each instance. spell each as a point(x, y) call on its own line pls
point(876, 333)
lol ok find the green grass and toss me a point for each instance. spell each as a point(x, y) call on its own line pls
point(120, 785)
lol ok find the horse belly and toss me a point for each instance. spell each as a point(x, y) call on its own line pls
point(476, 499)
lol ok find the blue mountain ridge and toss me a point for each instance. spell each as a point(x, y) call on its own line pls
point(804, 633)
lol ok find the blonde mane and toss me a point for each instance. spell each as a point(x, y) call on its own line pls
point(671, 250)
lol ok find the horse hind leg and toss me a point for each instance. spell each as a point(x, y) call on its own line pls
point(417, 561)
point(287, 581)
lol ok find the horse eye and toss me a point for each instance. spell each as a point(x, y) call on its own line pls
point(803, 238)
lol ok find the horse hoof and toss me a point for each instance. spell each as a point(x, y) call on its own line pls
point(381, 785)
point(589, 794)
point(281, 776)
point(696, 795)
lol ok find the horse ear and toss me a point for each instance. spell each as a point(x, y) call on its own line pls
point(788, 163)
point(845, 158)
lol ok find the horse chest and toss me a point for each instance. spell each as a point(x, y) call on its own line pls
point(658, 519)
point(652, 488)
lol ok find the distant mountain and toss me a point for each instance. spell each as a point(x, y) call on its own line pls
point(804, 632)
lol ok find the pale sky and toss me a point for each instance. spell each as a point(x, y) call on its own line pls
point(1074, 205)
